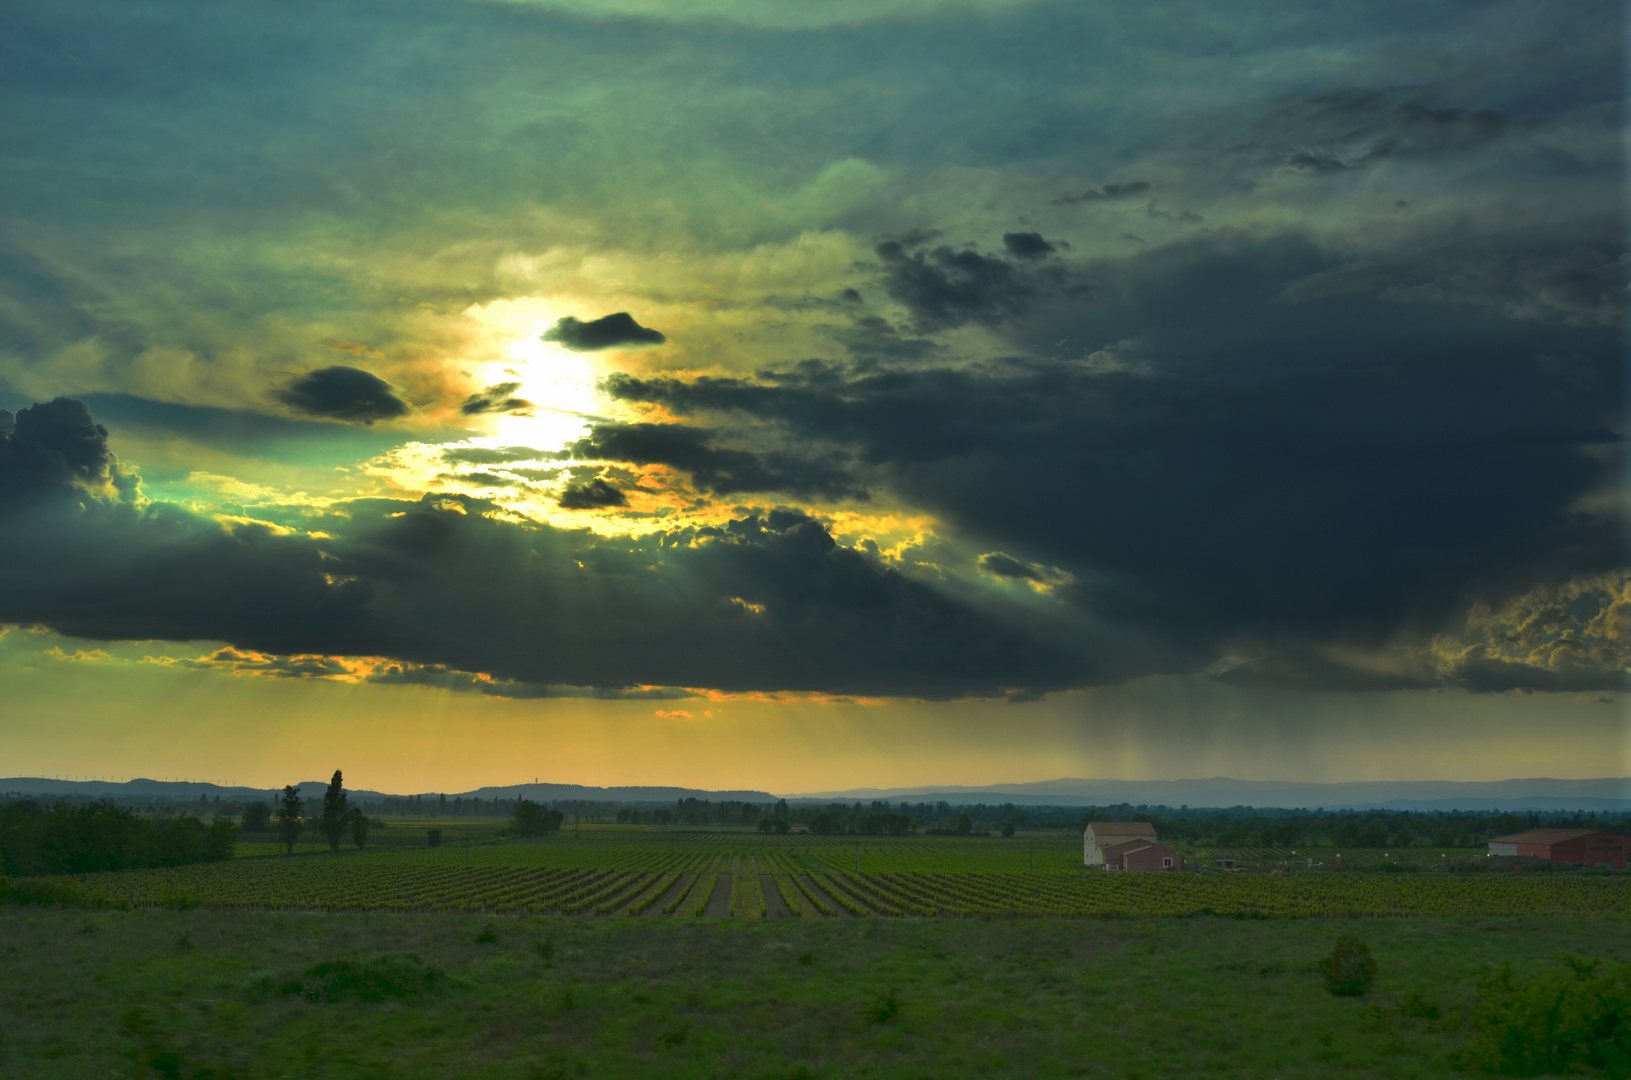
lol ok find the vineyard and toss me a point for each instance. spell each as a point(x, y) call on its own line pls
point(641, 873)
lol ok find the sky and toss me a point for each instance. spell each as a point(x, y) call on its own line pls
point(812, 395)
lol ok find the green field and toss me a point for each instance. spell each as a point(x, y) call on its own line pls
point(611, 870)
point(729, 954)
point(211, 995)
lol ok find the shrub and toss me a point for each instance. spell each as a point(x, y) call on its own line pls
point(885, 1009)
point(1579, 1014)
point(1349, 969)
point(434, 837)
point(383, 978)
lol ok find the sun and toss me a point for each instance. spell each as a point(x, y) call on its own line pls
point(560, 387)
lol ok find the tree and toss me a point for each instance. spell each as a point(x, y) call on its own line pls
point(965, 824)
point(335, 807)
point(357, 822)
point(256, 817)
point(289, 820)
point(531, 819)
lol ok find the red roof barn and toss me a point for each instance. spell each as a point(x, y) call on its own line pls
point(1567, 847)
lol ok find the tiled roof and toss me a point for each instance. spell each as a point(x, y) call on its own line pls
point(1543, 836)
point(1122, 828)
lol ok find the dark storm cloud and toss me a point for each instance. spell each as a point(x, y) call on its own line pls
point(1108, 191)
point(766, 602)
point(944, 287)
point(1299, 459)
point(720, 470)
point(607, 332)
point(1027, 245)
point(591, 494)
point(499, 398)
point(342, 393)
point(53, 448)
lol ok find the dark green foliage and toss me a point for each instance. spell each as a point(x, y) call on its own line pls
point(885, 1009)
point(488, 935)
point(290, 822)
point(400, 977)
point(433, 837)
point(1575, 1015)
point(358, 823)
point(64, 839)
point(257, 817)
point(1349, 969)
point(335, 819)
point(965, 824)
point(531, 819)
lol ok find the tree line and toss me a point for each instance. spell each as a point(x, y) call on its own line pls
point(62, 838)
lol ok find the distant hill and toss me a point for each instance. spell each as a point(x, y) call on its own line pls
point(190, 791)
point(568, 792)
point(1217, 792)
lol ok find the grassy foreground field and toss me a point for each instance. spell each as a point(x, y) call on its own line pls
point(215, 994)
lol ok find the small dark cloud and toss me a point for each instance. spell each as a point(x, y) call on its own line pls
point(720, 470)
point(1108, 191)
point(944, 287)
point(342, 393)
point(482, 479)
point(1315, 162)
point(850, 296)
point(607, 332)
point(1027, 245)
point(593, 494)
point(1003, 565)
point(498, 398)
point(1183, 217)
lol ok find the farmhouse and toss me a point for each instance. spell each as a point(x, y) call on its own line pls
point(1139, 855)
point(1567, 847)
point(1128, 839)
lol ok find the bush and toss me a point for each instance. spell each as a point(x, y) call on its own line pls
point(383, 978)
point(434, 837)
point(1349, 969)
point(1577, 1015)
